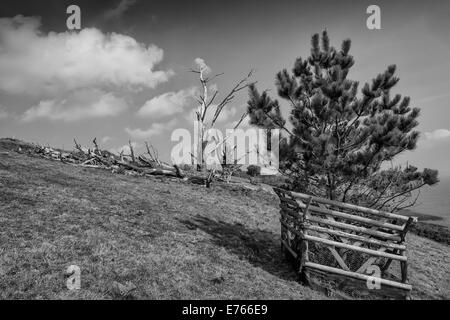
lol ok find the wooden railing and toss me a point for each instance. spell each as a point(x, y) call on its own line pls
point(351, 247)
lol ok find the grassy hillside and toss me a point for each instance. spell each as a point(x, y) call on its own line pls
point(164, 238)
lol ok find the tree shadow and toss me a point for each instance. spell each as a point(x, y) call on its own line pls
point(261, 248)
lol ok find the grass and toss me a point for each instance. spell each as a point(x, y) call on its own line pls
point(170, 239)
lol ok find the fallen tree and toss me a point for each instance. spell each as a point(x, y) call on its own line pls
point(147, 164)
point(97, 158)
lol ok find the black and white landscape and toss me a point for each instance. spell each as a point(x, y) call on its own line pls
point(185, 150)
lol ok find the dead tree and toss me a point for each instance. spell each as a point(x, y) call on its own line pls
point(131, 151)
point(205, 101)
point(96, 148)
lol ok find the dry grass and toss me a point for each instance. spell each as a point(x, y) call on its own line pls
point(171, 240)
point(429, 268)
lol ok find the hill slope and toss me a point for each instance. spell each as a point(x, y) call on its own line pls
point(170, 239)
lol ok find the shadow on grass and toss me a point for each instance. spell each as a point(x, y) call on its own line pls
point(8, 197)
point(260, 248)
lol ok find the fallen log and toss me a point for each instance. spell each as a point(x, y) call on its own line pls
point(130, 166)
point(104, 160)
point(149, 171)
point(87, 161)
point(97, 158)
point(161, 172)
point(148, 162)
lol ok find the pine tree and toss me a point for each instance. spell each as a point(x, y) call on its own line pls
point(342, 135)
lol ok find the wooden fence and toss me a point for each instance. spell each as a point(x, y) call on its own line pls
point(349, 249)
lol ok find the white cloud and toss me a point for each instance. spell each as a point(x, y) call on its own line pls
point(33, 62)
point(82, 104)
point(154, 130)
point(433, 98)
point(3, 113)
point(437, 134)
point(118, 11)
point(126, 148)
point(213, 87)
point(245, 124)
point(201, 64)
point(226, 115)
point(167, 104)
point(105, 139)
point(191, 115)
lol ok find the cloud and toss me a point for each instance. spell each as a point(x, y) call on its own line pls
point(167, 104)
point(118, 11)
point(153, 130)
point(245, 124)
point(213, 87)
point(432, 98)
point(226, 115)
point(201, 64)
point(80, 105)
point(105, 139)
point(36, 63)
point(3, 113)
point(126, 148)
point(437, 134)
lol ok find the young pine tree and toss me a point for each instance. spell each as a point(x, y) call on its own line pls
point(342, 133)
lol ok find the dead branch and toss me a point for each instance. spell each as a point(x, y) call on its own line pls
point(96, 148)
point(78, 146)
point(242, 84)
point(131, 151)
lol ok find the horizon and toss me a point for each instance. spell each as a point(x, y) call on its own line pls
point(124, 101)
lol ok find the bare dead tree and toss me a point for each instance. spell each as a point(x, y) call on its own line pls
point(205, 101)
point(152, 153)
point(78, 146)
point(131, 151)
point(96, 148)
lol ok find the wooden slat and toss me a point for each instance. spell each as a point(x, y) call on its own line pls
point(289, 219)
point(355, 248)
point(293, 230)
point(406, 228)
point(338, 258)
point(351, 227)
point(321, 205)
point(289, 249)
point(352, 207)
point(404, 270)
point(368, 263)
point(359, 276)
point(355, 237)
point(304, 258)
point(290, 202)
point(305, 211)
point(290, 211)
point(314, 209)
point(354, 285)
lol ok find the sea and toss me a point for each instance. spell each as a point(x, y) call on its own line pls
point(435, 201)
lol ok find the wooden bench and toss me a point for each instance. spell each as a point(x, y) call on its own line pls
point(351, 250)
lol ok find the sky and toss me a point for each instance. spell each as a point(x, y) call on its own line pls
point(125, 75)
